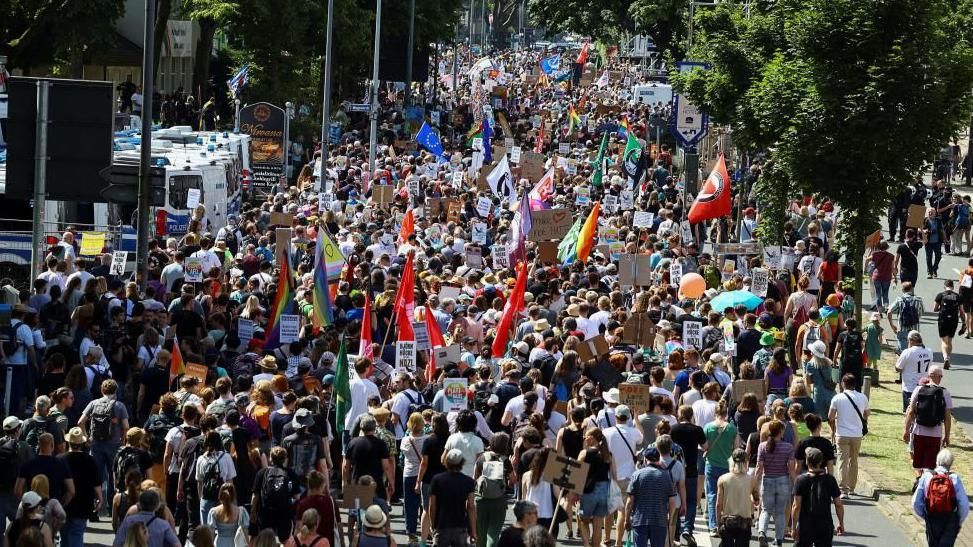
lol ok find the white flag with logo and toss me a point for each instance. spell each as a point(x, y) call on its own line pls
point(501, 181)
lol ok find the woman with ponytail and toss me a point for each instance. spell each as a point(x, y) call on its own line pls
point(776, 470)
point(228, 518)
point(307, 534)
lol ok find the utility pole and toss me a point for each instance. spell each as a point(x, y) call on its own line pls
point(326, 98)
point(373, 131)
point(145, 180)
point(408, 54)
point(483, 29)
point(40, 180)
point(470, 21)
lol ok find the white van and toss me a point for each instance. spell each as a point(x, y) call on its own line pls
point(652, 93)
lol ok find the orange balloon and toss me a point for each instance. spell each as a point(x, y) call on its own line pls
point(692, 285)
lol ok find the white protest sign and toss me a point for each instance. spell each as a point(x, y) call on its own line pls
point(515, 154)
point(787, 258)
point(692, 333)
point(501, 257)
point(414, 187)
point(479, 232)
point(455, 391)
point(192, 198)
point(193, 270)
point(508, 143)
point(611, 203)
point(675, 272)
point(478, 143)
point(244, 329)
point(759, 279)
point(742, 267)
point(772, 257)
point(643, 219)
point(474, 257)
point(458, 179)
point(405, 356)
point(118, 260)
point(563, 148)
point(627, 200)
point(422, 336)
point(687, 232)
point(483, 206)
point(290, 328)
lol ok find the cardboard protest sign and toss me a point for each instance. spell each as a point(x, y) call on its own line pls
point(356, 496)
point(382, 193)
point(197, 371)
point(566, 473)
point(742, 387)
point(550, 224)
point(639, 329)
point(281, 219)
point(405, 356)
point(634, 269)
point(916, 215)
point(635, 396)
point(547, 251)
point(532, 165)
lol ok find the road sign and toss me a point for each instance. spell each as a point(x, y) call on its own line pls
point(690, 123)
point(359, 107)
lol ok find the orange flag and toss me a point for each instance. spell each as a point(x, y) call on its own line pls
point(177, 366)
point(408, 226)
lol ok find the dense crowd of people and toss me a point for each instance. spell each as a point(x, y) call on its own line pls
point(176, 411)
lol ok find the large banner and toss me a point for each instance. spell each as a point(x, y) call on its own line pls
point(264, 123)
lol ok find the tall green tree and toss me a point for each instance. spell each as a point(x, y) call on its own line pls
point(210, 15)
point(41, 33)
point(848, 97)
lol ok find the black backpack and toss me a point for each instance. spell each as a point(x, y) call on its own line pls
point(97, 380)
point(102, 414)
point(101, 315)
point(414, 405)
point(188, 454)
point(157, 427)
point(852, 347)
point(949, 306)
point(909, 314)
point(8, 337)
point(9, 464)
point(275, 494)
point(126, 460)
point(212, 479)
point(481, 396)
point(930, 406)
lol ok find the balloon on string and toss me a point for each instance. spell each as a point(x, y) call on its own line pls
point(692, 285)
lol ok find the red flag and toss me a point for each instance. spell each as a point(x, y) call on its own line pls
point(514, 304)
point(405, 302)
point(583, 56)
point(365, 338)
point(539, 145)
point(177, 366)
point(714, 200)
point(436, 340)
point(408, 226)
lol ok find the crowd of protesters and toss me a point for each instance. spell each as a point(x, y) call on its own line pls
point(269, 443)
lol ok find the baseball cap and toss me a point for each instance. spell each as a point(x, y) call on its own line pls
point(11, 422)
point(31, 500)
point(622, 411)
point(652, 454)
point(454, 457)
point(302, 418)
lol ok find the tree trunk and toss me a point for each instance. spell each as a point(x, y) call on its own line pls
point(207, 31)
point(163, 10)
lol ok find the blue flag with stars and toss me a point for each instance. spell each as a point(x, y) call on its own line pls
point(427, 139)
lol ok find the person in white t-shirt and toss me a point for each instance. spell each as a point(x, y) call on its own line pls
point(207, 257)
point(847, 416)
point(913, 363)
point(704, 410)
point(622, 440)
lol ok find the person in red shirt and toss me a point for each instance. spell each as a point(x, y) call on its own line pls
point(318, 498)
point(880, 265)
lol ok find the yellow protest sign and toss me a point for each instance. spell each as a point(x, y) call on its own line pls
point(332, 257)
point(92, 243)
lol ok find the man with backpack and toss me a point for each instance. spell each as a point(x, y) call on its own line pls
point(914, 364)
point(814, 492)
point(18, 349)
point(40, 423)
point(157, 427)
point(406, 400)
point(941, 501)
point(274, 489)
point(13, 453)
point(928, 420)
point(176, 438)
point(909, 309)
point(187, 493)
point(950, 312)
point(848, 351)
point(105, 421)
point(88, 494)
point(305, 451)
point(213, 468)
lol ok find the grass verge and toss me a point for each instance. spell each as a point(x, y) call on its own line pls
point(884, 456)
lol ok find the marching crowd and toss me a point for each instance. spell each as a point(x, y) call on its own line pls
point(180, 413)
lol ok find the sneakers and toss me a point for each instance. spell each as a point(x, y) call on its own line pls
point(689, 539)
point(762, 539)
point(844, 495)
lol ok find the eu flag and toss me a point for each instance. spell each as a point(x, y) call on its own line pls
point(429, 140)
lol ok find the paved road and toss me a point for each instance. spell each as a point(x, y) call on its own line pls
point(868, 527)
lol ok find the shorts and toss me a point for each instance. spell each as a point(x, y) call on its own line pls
point(594, 504)
point(924, 451)
point(947, 327)
point(424, 492)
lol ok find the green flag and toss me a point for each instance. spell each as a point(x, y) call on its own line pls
point(342, 391)
point(567, 249)
point(632, 159)
point(599, 172)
